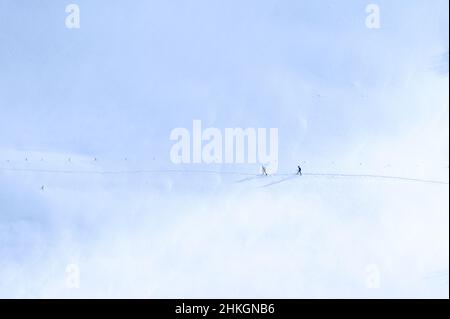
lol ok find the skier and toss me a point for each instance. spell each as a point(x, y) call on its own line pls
point(264, 171)
point(299, 171)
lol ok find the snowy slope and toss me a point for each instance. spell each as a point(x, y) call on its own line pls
point(91, 204)
point(161, 235)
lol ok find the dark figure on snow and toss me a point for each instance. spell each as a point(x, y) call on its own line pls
point(264, 171)
point(299, 171)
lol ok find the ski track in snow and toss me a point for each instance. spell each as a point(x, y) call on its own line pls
point(250, 176)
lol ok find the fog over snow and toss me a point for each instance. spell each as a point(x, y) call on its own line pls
point(91, 204)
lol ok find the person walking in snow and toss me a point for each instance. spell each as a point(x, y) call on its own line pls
point(264, 171)
point(299, 171)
